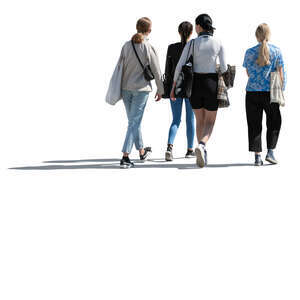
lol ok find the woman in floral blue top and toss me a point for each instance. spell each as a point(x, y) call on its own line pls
point(260, 61)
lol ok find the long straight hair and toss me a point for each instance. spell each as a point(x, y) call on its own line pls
point(263, 34)
point(185, 29)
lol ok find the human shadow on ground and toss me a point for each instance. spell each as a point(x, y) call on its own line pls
point(96, 160)
point(113, 164)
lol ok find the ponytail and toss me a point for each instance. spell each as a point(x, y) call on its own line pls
point(263, 34)
point(185, 29)
point(138, 38)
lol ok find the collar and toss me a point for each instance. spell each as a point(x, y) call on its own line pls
point(205, 33)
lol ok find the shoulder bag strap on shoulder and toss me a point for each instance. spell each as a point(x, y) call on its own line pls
point(137, 55)
point(188, 55)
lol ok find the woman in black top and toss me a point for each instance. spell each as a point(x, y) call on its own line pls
point(185, 30)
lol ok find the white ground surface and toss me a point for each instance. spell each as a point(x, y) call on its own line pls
point(75, 226)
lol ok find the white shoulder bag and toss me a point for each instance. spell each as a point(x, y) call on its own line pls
point(114, 93)
point(276, 89)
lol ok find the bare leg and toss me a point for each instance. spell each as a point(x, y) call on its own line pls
point(199, 115)
point(209, 122)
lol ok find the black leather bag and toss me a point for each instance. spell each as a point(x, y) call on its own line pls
point(167, 82)
point(148, 75)
point(167, 78)
point(184, 83)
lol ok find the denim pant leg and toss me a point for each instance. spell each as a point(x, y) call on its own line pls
point(190, 124)
point(138, 142)
point(135, 103)
point(176, 107)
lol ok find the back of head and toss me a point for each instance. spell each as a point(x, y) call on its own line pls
point(205, 21)
point(262, 34)
point(143, 26)
point(185, 29)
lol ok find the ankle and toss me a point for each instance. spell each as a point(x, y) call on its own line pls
point(169, 147)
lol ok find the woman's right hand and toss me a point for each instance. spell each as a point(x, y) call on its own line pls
point(157, 97)
point(172, 95)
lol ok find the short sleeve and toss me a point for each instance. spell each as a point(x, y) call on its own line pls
point(280, 59)
point(280, 63)
point(246, 60)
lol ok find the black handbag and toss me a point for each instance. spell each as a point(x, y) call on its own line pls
point(148, 75)
point(184, 83)
point(167, 82)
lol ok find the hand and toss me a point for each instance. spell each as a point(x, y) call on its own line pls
point(157, 97)
point(172, 95)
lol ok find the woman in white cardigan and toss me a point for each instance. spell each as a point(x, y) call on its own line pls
point(205, 83)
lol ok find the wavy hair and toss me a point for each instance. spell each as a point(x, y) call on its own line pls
point(262, 34)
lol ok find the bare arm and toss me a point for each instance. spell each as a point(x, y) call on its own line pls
point(280, 69)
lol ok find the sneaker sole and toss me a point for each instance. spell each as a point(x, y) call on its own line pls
point(146, 158)
point(270, 160)
point(125, 166)
point(168, 156)
point(199, 159)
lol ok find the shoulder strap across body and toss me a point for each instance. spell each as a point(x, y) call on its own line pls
point(148, 75)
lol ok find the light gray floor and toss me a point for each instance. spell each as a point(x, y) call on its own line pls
point(84, 229)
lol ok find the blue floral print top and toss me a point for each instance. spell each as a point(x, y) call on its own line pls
point(259, 77)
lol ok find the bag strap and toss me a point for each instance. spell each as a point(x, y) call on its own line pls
point(188, 56)
point(143, 67)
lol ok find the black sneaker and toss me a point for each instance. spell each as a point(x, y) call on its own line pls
point(126, 163)
point(146, 154)
point(190, 154)
point(169, 154)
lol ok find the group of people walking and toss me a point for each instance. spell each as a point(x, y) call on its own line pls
point(140, 59)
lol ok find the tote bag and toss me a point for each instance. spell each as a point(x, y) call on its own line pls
point(276, 92)
point(114, 93)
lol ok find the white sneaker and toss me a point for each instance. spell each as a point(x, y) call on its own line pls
point(200, 155)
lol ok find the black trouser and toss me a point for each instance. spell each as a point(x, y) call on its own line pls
point(256, 103)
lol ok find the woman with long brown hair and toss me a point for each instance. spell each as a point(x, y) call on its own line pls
point(137, 54)
point(174, 52)
point(259, 62)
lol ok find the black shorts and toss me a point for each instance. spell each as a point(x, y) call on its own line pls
point(204, 91)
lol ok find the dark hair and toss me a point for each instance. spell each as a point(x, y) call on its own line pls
point(205, 21)
point(185, 29)
point(142, 26)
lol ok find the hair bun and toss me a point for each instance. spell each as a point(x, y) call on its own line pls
point(138, 38)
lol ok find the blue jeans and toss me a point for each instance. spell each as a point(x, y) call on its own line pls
point(135, 103)
point(176, 107)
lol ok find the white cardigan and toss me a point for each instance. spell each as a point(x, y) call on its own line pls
point(206, 51)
